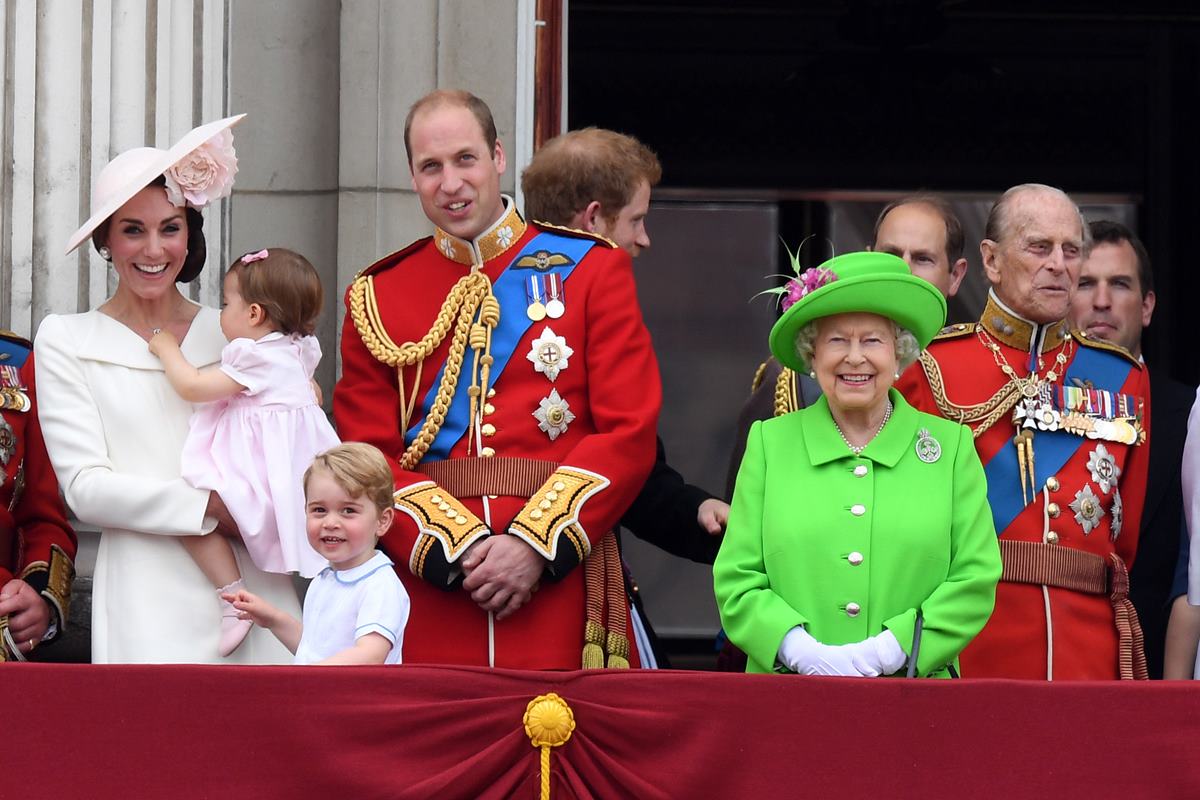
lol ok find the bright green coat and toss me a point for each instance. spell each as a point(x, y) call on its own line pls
point(924, 534)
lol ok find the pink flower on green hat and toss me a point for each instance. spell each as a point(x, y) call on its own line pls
point(205, 174)
point(806, 283)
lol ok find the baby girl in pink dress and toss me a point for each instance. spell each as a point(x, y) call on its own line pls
point(260, 425)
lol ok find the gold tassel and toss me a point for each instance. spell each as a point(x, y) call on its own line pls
point(1021, 442)
point(593, 648)
point(618, 650)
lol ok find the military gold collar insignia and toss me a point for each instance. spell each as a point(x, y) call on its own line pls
point(1006, 326)
point(493, 242)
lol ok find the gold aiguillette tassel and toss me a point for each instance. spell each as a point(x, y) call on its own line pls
point(1024, 458)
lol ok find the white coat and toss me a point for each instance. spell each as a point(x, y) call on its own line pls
point(115, 429)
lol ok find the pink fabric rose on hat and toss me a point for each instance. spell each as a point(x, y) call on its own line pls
point(205, 174)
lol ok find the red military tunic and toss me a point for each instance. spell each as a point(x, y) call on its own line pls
point(37, 544)
point(573, 451)
point(1083, 493)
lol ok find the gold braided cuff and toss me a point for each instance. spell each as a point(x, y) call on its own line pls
point(53, 581)
point(440, 518)
point(553, 513)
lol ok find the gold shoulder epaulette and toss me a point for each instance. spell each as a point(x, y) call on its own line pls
point(577, 233)
point(1100, 344)
point(787, 395)
point(392, 259)
point(955, 331)
point(758, 376)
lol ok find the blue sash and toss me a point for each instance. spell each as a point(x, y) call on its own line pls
point(1052, 448)
point(509, 289)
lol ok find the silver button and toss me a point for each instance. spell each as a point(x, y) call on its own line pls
point(861, 470)
point(855, 558)
point(852, 609)
point(858, 509)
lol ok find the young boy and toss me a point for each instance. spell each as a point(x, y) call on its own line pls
point(356, 609)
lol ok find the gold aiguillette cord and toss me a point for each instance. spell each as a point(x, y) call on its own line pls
point(1024, 444)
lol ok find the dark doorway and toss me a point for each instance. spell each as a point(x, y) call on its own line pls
point(898, 95)
point(771, 115)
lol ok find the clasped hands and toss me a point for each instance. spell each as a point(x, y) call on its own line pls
point(28, 614)
point(502, 573)
point(878, 655)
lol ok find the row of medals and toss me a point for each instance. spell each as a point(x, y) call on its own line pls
point(1036, 411)
point(544, 295)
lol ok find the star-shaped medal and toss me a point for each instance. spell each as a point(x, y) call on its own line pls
point(549, 353)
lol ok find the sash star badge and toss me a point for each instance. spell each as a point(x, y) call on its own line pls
point(553, 415)
point(8, 441)
point(549, 353)
point(1104, 468)
point(1087, 508)
point(1118, 514)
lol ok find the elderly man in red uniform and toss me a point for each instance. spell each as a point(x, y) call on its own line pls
point(505, 371)
point(1060, 422)
point(37, 544)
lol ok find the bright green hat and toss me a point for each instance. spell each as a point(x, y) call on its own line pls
point(878, 283)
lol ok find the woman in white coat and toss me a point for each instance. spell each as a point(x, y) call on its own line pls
point(115, 428)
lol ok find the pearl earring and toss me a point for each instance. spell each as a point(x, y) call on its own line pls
point(812, 373)
point(897, 375)
point(106, 254)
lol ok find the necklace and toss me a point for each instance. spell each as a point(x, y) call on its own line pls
point(887, 414)
point(1030, 385)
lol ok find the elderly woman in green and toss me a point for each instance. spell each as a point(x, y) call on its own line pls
point(860, 526)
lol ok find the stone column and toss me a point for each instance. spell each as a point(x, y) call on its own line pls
point(284, 75)
point(85, 80)
point(391, 55)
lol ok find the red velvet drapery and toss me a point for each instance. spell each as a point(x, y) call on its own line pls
point(422, 732)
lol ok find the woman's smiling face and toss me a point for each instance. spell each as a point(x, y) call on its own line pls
point(147, 240)
point(854, 358)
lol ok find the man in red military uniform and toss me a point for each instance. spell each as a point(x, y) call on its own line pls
point(37, 544)
point(1060, 422)
point(504, 370)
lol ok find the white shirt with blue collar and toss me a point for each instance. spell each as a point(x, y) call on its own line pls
point(343, 605)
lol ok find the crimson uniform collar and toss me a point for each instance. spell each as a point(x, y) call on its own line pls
point(1005, 325)
point(492, 243)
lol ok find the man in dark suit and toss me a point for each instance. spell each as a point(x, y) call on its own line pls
point(1115, 301)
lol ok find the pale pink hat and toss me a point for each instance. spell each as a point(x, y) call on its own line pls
point(133, 170)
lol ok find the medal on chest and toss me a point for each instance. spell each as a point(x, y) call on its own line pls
point(13, 392)
point(545, 296)
point(549, 353)
point(553, 415)
point(535, 298)
point(1033, 409)
point(8, 446)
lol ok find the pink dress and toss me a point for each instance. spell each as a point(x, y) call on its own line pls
point(253, 447)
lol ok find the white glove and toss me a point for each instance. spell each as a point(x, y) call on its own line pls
point(803, 654)
point(880, 654)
